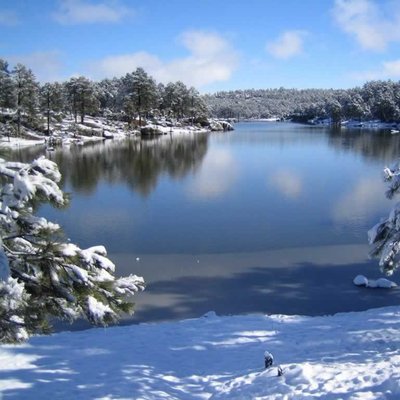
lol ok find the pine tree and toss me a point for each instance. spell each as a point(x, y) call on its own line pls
point(385, 235)
point(140, 93)
point(51, 100)
point(82, 97)
point(26, 95)
point(107, 91)
point(7, 95)
point(43, 275)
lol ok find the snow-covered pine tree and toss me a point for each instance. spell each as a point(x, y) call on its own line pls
point(7, 95)
point(140, 93)
point(385, 235)
point(26, 94)
point(51, 101)
point(42, 275)
point(81, 97)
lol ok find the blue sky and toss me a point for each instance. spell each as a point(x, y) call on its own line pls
point(210, 44)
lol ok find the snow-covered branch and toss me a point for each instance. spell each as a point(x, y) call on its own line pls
point(385, 235)
point(59, 278)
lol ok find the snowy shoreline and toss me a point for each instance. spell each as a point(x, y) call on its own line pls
point(97, 129)
point(348, 356)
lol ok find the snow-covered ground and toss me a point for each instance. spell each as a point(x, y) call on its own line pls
point(94, 129)
point(345, 356)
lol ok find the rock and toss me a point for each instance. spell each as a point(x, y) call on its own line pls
point(149, 131)
point(360, 280)
point(385, 283)
point(227, 126)
point(217, 126)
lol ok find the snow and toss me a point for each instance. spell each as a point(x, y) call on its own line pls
point(361, 280)
point(95, 129)
point(346, 356)
point(98, 310)
point(97, 255)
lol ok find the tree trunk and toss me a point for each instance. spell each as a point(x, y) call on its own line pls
point(82, 108)
point(48, 113)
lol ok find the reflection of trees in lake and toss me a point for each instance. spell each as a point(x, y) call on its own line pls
point(138, 163)
point(376, 145)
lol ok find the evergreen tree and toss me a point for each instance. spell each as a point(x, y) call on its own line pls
point(140, 93)
point(177, 99)
point(196, 105)
point(26, 95)
point(385, 235)
point(7, 94)
point(51, 100)
point(108, 94)
point(81, 96)
point(43, 275)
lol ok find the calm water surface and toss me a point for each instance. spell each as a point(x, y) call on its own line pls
point(269, 218)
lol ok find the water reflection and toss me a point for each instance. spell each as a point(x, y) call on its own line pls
point(236, 219)
point(378, 145)
point(288, 182)
point(364, 198)
point(373, 145)
point(134, 162)
point(216, 176)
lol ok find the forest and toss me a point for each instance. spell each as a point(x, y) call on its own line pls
point(374, 100)
point(26, 103)
point(135, 97)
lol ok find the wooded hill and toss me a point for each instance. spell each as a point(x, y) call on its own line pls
point(374, 100)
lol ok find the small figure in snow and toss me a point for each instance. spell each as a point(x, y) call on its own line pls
point(268, 359)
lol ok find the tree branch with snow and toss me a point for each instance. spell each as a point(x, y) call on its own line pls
point(385, 235)
point(43, 275)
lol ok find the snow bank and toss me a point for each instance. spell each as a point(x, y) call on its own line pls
point(346, 356)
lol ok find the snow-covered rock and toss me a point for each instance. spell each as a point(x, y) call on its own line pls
point(381, 283)
point(216, 126)
point(361, 280)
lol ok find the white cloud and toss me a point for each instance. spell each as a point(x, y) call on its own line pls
point(210, 59)
point(121, 64)
point(372, 25)
point(8, 18)
point(46, 65)
point(85, 12)
point(289, 44)
point(287, 182)
point(217, 175)
point(387, 70)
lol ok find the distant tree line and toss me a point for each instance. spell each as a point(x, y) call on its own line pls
point(374, 100)
point(131, 98)
point(137, 96)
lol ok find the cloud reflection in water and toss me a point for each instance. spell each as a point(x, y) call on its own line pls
point(217, 175)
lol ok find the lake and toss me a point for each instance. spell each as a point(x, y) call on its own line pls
point(269, 218)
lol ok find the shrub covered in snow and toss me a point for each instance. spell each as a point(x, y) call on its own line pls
point(42, 274)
